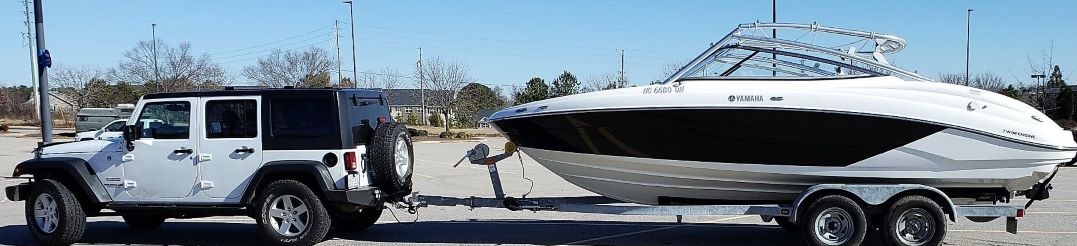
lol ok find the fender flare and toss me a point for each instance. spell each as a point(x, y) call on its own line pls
point(316, 169)
point(78, 169)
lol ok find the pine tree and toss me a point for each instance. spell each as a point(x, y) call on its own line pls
point(564, 85)
point(536, 90)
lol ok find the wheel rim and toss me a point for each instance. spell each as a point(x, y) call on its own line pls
point(834, 226)
point(402, 158)
point(45, 216)
point(288, 215)
point(915, 227)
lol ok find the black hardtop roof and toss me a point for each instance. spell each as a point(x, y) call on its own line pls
point(259, 92)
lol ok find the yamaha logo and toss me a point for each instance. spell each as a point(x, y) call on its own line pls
point(746, 98)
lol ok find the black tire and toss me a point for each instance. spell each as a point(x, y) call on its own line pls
point(828, 211)
point(382, 152)
point(786, 224)
point(316, 224)
point(67, 214)
point(143, 221)
point(356, 221)
point(924, 216)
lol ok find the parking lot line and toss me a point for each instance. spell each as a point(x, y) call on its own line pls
point(425, 176)
point(467, 166)
point(1019, 231)
point(651, 230)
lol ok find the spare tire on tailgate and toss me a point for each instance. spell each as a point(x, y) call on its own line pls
point(391, 159)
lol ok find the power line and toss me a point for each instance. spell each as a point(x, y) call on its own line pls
point(274, 42)
point(254, 57)
point(513, 41)
point(281, 46)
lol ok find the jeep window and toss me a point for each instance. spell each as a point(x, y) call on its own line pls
point(231, 119)
point(302, 118)
point(115, 126)
point(166, 120)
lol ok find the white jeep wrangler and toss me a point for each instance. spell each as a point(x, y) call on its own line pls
point(298, 161)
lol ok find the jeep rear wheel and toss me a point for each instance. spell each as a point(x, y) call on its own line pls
point(391, 159)
point(53, 214)
point(291, 214)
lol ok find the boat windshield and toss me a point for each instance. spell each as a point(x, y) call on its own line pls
point(750, 51)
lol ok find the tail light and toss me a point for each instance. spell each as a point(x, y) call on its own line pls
point(1020, 213)
point(350, 162)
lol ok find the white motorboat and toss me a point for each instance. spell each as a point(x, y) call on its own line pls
point(755, 119)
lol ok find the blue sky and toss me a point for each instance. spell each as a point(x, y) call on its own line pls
point(508, 42)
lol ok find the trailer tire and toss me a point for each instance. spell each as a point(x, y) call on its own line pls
point(834, 220)
point(391, 159)
point(914, 220)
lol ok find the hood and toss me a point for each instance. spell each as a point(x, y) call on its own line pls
point(88, 146)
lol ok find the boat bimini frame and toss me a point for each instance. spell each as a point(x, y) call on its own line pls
point(847, 59)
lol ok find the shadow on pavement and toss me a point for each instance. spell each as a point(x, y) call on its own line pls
point(446, 232)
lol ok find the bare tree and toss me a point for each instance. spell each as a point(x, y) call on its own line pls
point(988, 81)
point(388, 78)
point(506, 101)
point(604, 81)
point(1038, 93)
point(443, 78)
point(952, 78)
point(668, 70)
point(306, 68)
point(81, 86)
point(176, 68)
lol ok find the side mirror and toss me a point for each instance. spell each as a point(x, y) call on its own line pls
point(130, 134)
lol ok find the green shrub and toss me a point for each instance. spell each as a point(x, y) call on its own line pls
point(435, 120)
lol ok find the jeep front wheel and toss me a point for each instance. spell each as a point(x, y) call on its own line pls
point(291, 214)
point(53, 214)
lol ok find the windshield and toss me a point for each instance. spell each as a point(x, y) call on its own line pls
point(747, 61)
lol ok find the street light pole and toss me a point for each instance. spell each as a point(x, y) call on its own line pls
point(774, 34)
point(968, 37)
point(355, 71)
point(44, 62)
point(153, 43)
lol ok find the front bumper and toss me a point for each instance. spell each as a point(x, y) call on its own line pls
point(366, 196)
point(17, 192)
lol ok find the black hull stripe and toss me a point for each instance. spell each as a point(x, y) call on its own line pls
point(771, 137)
point(956, 127)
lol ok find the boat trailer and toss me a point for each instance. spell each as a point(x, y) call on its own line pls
point(871, 194)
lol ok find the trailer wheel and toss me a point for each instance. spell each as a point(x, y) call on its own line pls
point(834, 220)
point(914, 221)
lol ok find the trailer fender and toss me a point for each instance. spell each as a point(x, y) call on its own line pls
point(871, 195)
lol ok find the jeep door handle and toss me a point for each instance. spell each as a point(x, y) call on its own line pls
point(183, 151)
point(245, 149)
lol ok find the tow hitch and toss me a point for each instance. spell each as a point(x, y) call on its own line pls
point(1041, 190)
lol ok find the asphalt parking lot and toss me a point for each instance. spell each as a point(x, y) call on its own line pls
point(1051, 222)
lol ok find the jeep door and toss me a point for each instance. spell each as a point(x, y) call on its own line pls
point(230, 144)
point(163, 164)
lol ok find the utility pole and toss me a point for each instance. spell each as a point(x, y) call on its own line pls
point(340, 74)
point(968, 37)
point(33, 58)
point(422, 91)
point(621, 84)
point(43, 77)
point(355, 71)
point(774, 34)
point(153, 43)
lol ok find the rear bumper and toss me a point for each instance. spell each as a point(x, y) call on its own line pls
point(366, 196)
point(17, 192)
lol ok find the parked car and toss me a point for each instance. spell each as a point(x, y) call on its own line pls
point(93, 119)
point(298, 161)
point(113, 130)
